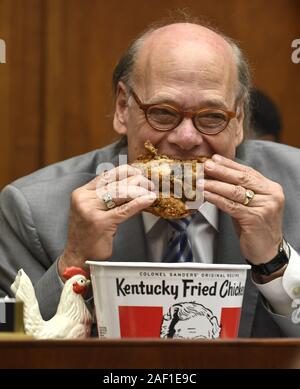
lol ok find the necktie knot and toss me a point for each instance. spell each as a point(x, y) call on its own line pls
point(179, 248)
point(180, 225)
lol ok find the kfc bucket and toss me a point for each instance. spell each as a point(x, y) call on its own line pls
point(167, 300)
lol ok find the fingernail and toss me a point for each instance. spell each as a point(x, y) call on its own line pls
point(209, 164)
point(217, 158)
point(152, 196)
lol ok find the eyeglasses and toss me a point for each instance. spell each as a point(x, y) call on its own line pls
point(165, 117)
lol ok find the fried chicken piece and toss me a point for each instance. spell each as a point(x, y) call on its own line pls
point(174, 180)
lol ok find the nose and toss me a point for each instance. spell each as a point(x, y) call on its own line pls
point(186, 136)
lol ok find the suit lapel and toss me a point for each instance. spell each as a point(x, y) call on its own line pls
point(228, 251)
point(228, 248)
point(130, 241)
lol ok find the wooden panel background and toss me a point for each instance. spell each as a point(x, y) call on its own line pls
point(21, 80)
point(55, 89)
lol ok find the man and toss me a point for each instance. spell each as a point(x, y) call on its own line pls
point(190, 320)
point(64, 215)
point(266, 123)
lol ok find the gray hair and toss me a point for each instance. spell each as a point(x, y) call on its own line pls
point(124, 68)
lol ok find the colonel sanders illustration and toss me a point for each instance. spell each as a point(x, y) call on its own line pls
point(190, 320)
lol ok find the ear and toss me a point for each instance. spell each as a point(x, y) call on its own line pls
point(239, 135)
point(121, 109)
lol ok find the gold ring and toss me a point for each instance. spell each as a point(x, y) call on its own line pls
point(108, 201)
point(249, 196)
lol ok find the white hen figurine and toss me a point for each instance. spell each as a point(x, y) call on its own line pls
point(72, 319)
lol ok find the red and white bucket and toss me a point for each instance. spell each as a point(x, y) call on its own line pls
point(186, 300)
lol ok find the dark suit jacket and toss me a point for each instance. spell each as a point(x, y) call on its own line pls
point(34, 214)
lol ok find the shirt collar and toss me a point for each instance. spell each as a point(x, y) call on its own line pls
point(210, 214)
point(207, 210)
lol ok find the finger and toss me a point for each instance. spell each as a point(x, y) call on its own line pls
point(230, 207)
point(121, 192)
point(235, 193)
point(135, 206)
point(139, 180)
point(125, 194)
point(245, 176)
point(115, 174)
point(227, 162)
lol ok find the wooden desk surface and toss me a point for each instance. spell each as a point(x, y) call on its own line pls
point(149, 353)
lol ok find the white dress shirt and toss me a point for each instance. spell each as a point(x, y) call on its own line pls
point(202, 233)
point(204, 225)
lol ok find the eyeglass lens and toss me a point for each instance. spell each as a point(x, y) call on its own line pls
point(166, 118)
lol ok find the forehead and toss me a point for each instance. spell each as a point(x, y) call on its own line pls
point(180, 57)
point(196, 322)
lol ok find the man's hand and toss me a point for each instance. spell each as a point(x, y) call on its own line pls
point(91, 225)
point(259, 224)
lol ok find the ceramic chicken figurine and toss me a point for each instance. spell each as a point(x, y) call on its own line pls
point(72, 319)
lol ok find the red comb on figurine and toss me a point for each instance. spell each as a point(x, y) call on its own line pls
point(73, 271)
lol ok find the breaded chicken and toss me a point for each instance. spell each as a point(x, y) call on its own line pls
point(174, 180)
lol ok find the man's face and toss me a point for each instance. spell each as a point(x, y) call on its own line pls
point(196, 327)
point(190, 73)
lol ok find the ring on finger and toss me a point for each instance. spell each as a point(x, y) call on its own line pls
point(249, 196)
point(108, 201)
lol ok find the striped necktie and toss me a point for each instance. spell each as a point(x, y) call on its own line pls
point(179, 248)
